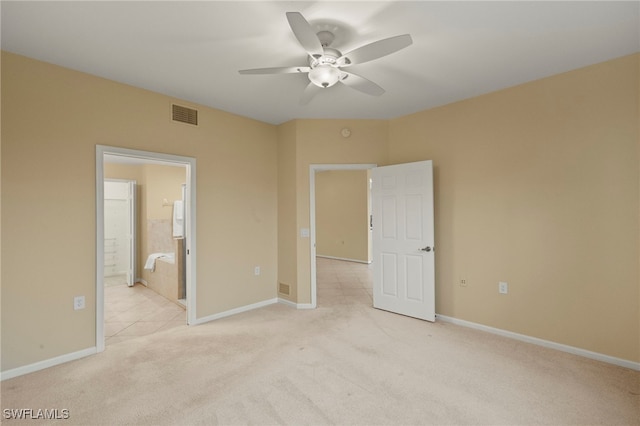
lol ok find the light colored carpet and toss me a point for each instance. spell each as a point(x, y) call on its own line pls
point(341, 364)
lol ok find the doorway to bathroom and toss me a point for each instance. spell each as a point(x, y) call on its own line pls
point(164, 227)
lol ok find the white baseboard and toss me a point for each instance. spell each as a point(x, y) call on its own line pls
point(41, 365)
point(236, 311)
point(143, 282)
point(296, 305)
point(305, 306)
point(343, 258)
point(287, 302)
point(545, 343)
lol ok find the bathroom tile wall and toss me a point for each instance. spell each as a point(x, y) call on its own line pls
point(159, 236)
point(167, 276)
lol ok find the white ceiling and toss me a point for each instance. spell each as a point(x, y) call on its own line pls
point(193, 50)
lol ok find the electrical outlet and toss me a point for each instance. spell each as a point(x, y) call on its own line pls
point(256, 270)
point(78, 303)
point(463, 282)
point(503, 287)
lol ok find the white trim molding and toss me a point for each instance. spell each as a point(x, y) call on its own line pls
point(41, 365)
point(296, 305)
point(305, 306)
point(541, 342)
point(343, 259)
point(313, 169)
point(235, 311)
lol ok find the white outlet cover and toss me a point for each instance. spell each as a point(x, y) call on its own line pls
point(78, 302)
point(256, 270)
point(503, 287)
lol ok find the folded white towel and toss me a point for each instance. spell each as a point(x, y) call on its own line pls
point(178, 219)
point(151, 260)
point(178, 211)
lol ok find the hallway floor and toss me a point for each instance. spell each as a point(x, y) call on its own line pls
point(343, 282)
point(131, 312)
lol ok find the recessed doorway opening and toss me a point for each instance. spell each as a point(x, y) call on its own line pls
point(314, 169)
point(181, 245)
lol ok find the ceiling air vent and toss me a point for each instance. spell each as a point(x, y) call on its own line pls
point(184, 114)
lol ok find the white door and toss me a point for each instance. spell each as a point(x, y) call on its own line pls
point(403, 240)
point(119, 229)
point(131, 232)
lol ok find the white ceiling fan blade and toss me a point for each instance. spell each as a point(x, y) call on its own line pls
point(375, 50)
point(277, 70)
point(361, 84)
point(308, 93)
point(305, 34)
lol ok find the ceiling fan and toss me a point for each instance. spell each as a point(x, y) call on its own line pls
point(326, 63)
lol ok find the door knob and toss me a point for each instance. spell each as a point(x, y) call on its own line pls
point(427, 248)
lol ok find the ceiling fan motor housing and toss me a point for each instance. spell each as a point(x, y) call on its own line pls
point(326, 38)
point(330, 57)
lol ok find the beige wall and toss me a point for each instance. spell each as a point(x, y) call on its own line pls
point(163, 183)
point(52, 119)
point(342, 214)
point(287, 224)
point(537, 185)
point(318, 142)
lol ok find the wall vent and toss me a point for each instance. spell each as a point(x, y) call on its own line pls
point(283, 288)
point(184, 114)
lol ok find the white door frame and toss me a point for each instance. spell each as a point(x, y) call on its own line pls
point(190, 228)
point(313, 169)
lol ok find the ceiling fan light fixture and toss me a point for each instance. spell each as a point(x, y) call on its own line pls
point(325, 62)
point(324, 76)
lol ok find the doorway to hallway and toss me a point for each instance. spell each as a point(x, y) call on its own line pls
point(316, 260)
point(341, 282)
point(402, 238)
